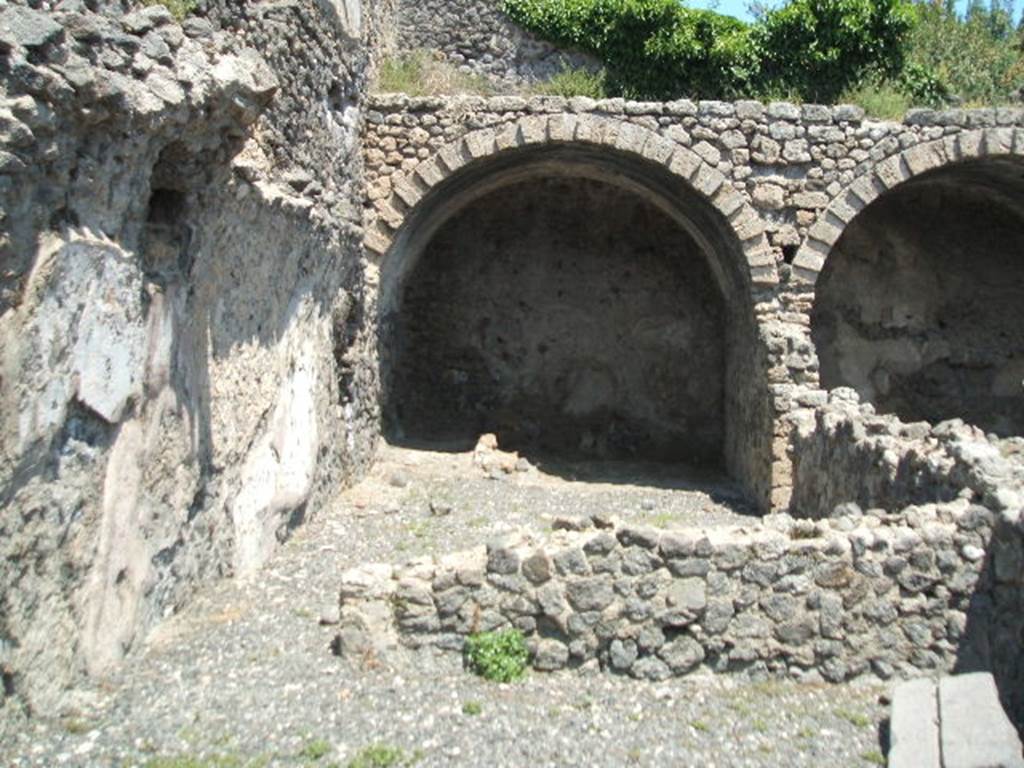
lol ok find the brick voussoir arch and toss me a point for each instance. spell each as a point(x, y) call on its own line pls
point(889, 173)
point(610, 133)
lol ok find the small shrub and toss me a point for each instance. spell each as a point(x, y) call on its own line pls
point(873, 756)
point(651, 48)
point(883, 101)
point(498, 656)
point(574, 82)
point(422, 73)
point(472, 708)
point(179, 9)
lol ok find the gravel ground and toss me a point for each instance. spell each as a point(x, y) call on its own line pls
point(244, 676)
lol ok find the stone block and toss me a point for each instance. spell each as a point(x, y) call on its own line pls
point(685, 163)
point(590, 594)
point(502, 558)
point(975, 731)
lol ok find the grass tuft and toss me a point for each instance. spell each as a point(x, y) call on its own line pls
point(574, 82)
point(881, 101)
point(422, 73)
point(382, 756)
point(314, 750)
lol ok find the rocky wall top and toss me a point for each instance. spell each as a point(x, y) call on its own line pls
point(844, 453)
point(788, 161)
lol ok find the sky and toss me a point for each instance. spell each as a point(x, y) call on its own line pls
point(738, 8)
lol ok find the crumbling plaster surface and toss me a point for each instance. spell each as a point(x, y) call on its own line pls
point(179, 317)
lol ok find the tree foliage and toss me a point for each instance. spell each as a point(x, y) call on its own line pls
point(651, 48)
point(974, 59)
point(662, 49)
point(819, 48)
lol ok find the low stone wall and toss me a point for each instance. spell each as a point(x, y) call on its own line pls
point(842, 451)
point(918, 592)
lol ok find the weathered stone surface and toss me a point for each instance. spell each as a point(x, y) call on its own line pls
point(590, 594)
point(28, 28)
point(187, 326)
point(975, 731)
point(184, 431)
point(551, 655)
point(682, 654)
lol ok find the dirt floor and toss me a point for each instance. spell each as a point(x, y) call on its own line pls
point(244, 676)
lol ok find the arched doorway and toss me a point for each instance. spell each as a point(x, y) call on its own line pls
point(575, 300)
point(920, 305)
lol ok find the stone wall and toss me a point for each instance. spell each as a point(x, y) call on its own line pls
point(844, 452)
point(179, 311)
point(922, 591)
point(789, 161)
point(918, 307)
point(476, 36)
point(848, 460)
point(787, 179)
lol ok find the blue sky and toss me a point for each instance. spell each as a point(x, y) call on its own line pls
point(738, 8)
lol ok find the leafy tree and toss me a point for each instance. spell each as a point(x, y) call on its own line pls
point(975, 59)
point(651, 48)
point(819, 48)
point(662, 49)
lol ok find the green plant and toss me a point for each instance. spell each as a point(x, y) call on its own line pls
point(472, 708)
point(975, 59)
point(574, 82)
point(884, 101)
point(822, 47)
point(873, 756)
point(651, 48)
point(179, 8)
point(314, 750)
point(421, 73)
point(923, 85)
point(378, 756)
point(700, 725)
point(498, 656)
point(811, 49)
